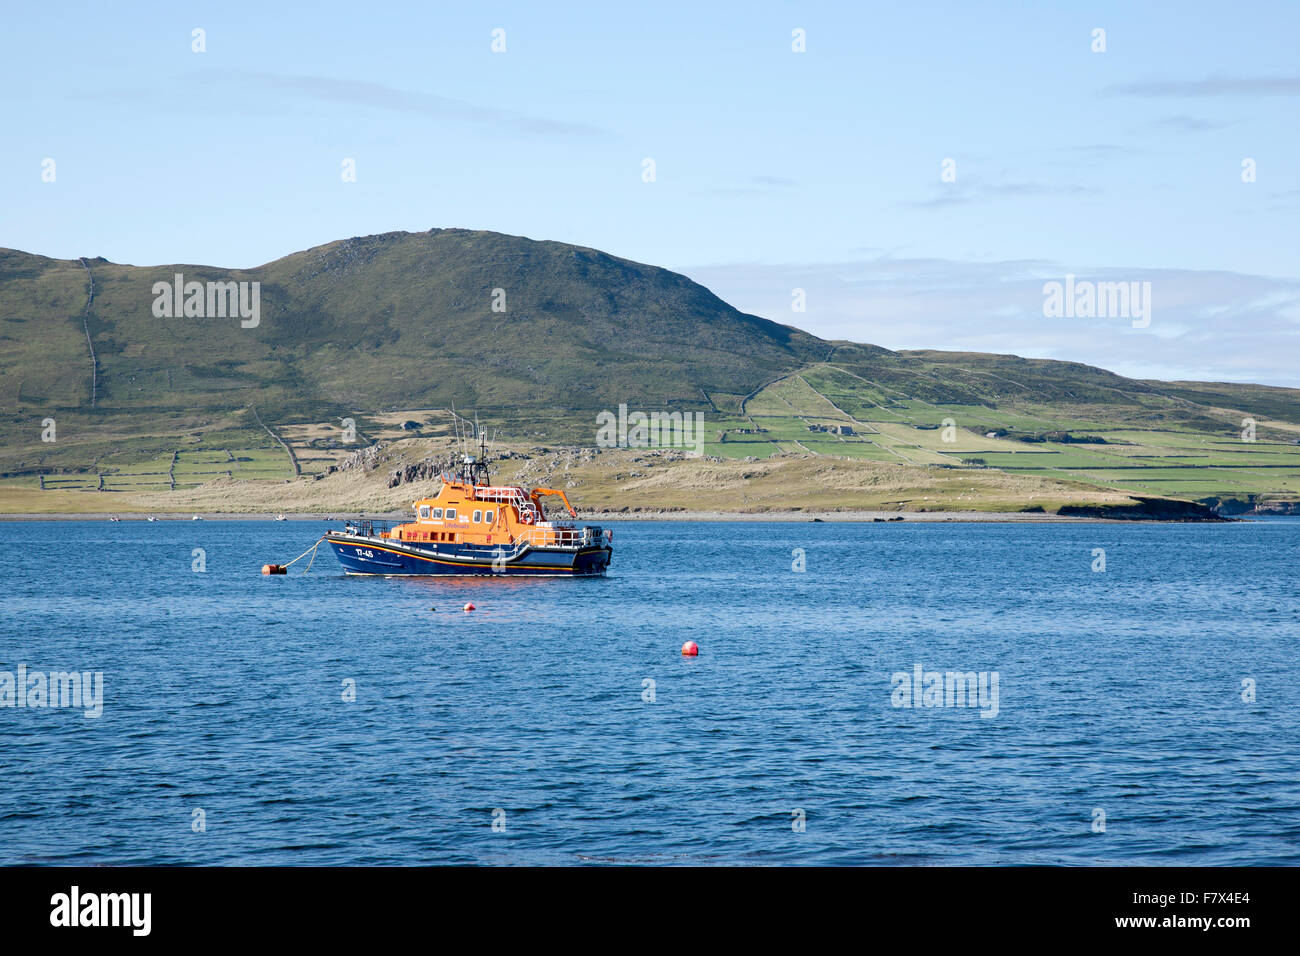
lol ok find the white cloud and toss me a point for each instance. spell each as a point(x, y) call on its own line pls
point(1207, 325)
point(1213, 86)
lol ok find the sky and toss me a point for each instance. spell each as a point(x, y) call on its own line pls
point(774, 169)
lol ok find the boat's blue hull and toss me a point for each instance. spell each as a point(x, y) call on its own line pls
point(365, 555)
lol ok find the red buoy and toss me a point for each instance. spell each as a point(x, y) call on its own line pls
point(274, 569)
point(690, 649)
point(469, 607)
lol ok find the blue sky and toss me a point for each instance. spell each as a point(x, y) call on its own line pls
point(774, 170)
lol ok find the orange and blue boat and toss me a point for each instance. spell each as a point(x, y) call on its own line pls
point(473, 527)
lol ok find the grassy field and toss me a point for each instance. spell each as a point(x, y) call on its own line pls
point(1181, 462)
point(617, 480)
point(792, 420)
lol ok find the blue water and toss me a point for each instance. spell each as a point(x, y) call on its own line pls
point(1119, 691)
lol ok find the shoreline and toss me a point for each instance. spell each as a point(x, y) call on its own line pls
point(849, 517)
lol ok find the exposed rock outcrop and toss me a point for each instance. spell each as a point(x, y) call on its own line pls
point(1253, 505)
point(367, 458)
point(1146, 509)
point(424, 470)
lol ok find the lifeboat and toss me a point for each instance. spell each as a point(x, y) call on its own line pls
point(473, 527)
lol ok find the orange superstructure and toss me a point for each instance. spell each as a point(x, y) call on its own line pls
point(465, 513)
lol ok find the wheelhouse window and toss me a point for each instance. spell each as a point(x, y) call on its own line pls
point(478, 517)
point(437, 512)
point(424, 512)
point(487, 516)
point(451, 514)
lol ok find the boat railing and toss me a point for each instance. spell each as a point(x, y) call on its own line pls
point(564, 537)
point(507, 494)
point(367, 528)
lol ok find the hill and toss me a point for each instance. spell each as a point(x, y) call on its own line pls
point(537, 338)
point(400, 319)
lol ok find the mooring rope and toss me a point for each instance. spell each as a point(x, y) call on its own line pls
point(311, 551)
point(313, 555)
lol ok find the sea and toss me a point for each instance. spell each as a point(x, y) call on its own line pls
point(896, 693)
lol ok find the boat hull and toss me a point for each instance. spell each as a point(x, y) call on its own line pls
point(368, 555)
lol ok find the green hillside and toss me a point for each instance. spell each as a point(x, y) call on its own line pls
point(400, 319)
point(400, 327)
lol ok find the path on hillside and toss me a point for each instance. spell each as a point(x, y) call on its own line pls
point(85, 325)
point(744, 401)
point(293, 459)
point(794, 412)
point(865, 426)
point(910, 398)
